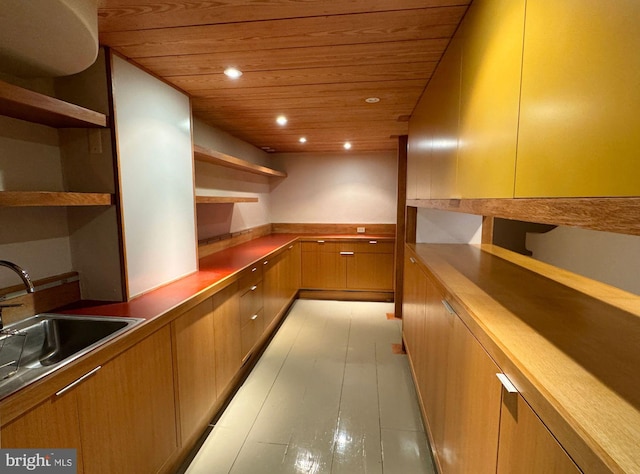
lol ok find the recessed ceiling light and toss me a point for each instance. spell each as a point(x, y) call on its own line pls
point(372, 100)
point(232, 72)
point(282, 120)
point(347, 146)
point(302, 140)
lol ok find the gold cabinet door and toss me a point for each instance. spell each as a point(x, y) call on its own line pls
point(228, 336)
point(579, 116)
point(491, 35)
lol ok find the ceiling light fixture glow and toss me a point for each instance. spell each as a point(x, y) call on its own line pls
point(372, 100)
point(282, 120)
point(302, 140)
point(347, 146)
point(233, 73)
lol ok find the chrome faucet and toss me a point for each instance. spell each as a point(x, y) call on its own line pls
point(25, 279)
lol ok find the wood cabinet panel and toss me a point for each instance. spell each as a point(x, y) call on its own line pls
point(492, 35)
point(370, 271)
point(472, 407)
point(526, 446)
point(195, 368)
point(578, 115)
point(322, 266)
point(126, 410)
point(52, 424)
point(414, 304)
point(227, 335)
point(251, 332)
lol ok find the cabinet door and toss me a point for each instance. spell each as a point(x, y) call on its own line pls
point(526, 446)
point(52, 424)
point(413, 320)
point(322, 266)
point(195, 368)
point(127, 410)
point(492, 34)
point(472, 408)
point(228, 336)
point(579, 109)
point(369, 271)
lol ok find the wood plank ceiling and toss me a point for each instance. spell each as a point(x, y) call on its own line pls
point(314, 61)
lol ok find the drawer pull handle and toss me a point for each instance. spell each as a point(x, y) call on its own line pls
point(254, 317)
point(290, 247)
point(254, 269)
point(254, 287)
point(346, 253)
point(321, 241)
point(450, 310)
point(506, 383)
point(412, 260)
point(78, 381)
point(373, 241)
point(265, 262)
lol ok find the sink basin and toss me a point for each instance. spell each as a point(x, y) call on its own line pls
point(35, 347)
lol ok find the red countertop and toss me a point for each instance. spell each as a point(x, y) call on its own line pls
point(212, 270)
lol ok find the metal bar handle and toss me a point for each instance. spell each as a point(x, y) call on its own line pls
point(449, 308)
point(254, 317)
point(347, 253)
point(373, 241)
point(254, 269)
point(254, 287)
point(506, 383)
point(412, 260)
point(80, 380)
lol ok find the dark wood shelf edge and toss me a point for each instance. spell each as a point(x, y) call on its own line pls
point(610, 214)
point(24, 104)
point(53, 199)
point(222, 159)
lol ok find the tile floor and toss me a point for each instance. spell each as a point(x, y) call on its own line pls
point(328, 396)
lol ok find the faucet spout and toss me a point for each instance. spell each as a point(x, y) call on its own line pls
point(26, 279)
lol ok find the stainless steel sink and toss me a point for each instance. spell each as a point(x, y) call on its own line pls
point(37, 346)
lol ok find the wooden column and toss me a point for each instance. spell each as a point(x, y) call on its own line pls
point(400, 222)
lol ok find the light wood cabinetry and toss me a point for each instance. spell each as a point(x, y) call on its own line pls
point(251, 304)
point(491, 35)
point(52, 424)
point(126, 410)
point(347, 265)
point(526, 445)
point(195, 369)
point(120, 418)
point(578, 113)
point(228, 336)
point(474, 425)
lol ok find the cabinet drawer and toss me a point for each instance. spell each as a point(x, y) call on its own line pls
point(250, 303)
point(252, 329)
point(250, 277)
point(320, 246)
point(374, 246)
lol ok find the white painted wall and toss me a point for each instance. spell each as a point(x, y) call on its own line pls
point(603, 256)
point(153, 126)
point(335, 188)
point(37, 239)
point(214, 180)
point(442, 227)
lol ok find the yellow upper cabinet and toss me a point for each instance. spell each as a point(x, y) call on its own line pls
point(492, 36)
point(579, 116)
point(442, 98)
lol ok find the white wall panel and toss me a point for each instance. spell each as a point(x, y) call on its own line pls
point(153, 125)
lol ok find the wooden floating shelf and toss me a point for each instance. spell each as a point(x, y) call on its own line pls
point(618, 215)
point(24, 104)
point(217, 158)
point(223, 199)
point(49, 199)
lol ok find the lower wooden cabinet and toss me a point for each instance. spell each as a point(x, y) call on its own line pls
point(120, 419)
point(474, 424)
point(348, 265)
point(526, 445)
point(227, 335)
point(195, 369)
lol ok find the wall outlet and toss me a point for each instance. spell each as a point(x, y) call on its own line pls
point(360, 230)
